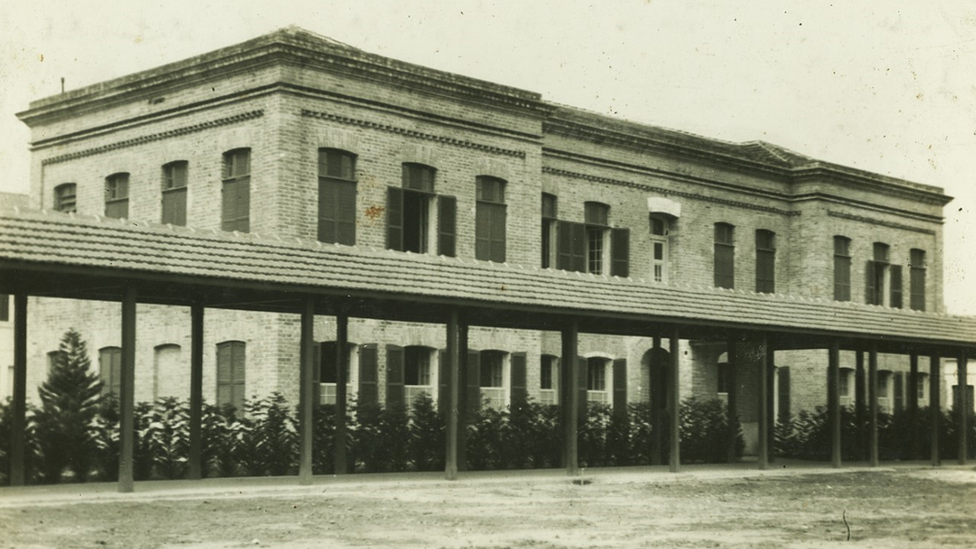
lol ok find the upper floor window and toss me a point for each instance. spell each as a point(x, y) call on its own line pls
point(410, 225)
point(337, 197)
point(597, 234)
point(842, 268)
point(724, 255)
point(660, 228)
point(765, 261)
point(917, 268)
point(550, 215)
point(490, 219)
point(876, 274)
point(593, 246)
point(117, 196)
point(174, 192)
point(236, 191)
point(64, 197)
point(231, 373)
point(110, 369)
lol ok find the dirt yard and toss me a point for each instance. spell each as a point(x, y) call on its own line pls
point(889, 508)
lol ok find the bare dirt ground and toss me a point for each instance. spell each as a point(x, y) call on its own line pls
point(803, 508)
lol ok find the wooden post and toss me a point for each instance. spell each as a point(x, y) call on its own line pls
point(913, 403)
point(463, 409)
point(196, 391)
point(570, 341)
point(18, 426)
point(342, 367)
point(657, 392)
point(964, 406)
point(454, 358)
point(772, 413)
point(127, 398)
point(733, 404)
point(833, 402)
point(860, 409)
point(306, 392)
point(763, 403)
point(873, 405)
point(935, 406)
point(675, 404)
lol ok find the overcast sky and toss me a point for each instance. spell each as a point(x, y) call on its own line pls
point(888, 87)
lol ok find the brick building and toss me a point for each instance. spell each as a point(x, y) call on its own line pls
point(292, 139)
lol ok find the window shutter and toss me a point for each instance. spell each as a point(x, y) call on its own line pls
point(620, 386)
point(368, 376)
point(346, 213)
point(443, 376)
point(394, 376)
point(870, 290)
point(174, 207)
point(899, 391)
point(474, 381)
point(583, 382)
point(784, 392)
point(564, 253)
point(316, 374)
point(578, 246)
point(842, 278)
point(394, 218)
point(917, 283)
point(238, 374)
point(520, 393)
point(482, 231)
point(328, 194)
point(724, 266)
point(620, 252)
point(497, 230)
point(447, 226)
point(896, 287)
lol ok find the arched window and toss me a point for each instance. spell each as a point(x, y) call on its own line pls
point(236, 191)
point(598, 379)
point(117, 196)
point(724, 255)
point(169, 372)
point(490, 219)
point(64, 197)
point(231, 372)
point(765, 261)
point(327, 372)
point(549, 379)
point(660, 229)
point(842, 268)
point(110, 369)
point(175, 175)
point(337, 197)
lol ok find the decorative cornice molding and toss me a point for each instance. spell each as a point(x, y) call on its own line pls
point(668, 192)
point(412, 133)
point(880, 222)
point(155, 137)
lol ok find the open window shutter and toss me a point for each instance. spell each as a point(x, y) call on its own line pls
point(368, 376)
point(394, 376)
point(520, 393)
point(896, 287)
point(394, 218)
point(346, 213)
point(564, 240)
point(578, 244)
point(238, 373)
point(869, 284)
point(316, 374)
point(583, 381)
point(620, 252)
point(443, 379)
point(447, 226)
point(620, 386)
point(498, 222)
point(474, 381)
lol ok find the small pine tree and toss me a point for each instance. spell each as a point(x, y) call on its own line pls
point(69, 402)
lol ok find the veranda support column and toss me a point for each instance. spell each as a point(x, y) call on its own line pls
point(963, 407)
point(342, 367)
point(860, 410)
point(305, 392)
point(454, 387)
point(763, 403)
point(675, 405)
point(833, 402)
point(913, 403)
point(935, 406)
point(128, 385)
point(771, 416)
point(196, 390)
point(657, 377)
point(873, 405)
point(463, 409)
point(571, 406)
point(18, 426)
point(733, 403)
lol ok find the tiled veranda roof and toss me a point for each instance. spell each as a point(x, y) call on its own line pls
point(53, 239)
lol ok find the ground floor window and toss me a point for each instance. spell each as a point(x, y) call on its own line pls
point(596, 380)
point(231, 374)
point(549, 380)
point(492, 367)
point(418, 374)
point(328, 372)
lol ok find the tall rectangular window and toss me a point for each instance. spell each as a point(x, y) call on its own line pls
point(416, 367)
point(724, 255)
point(64, 197)
point(916, 275)
point(236, 191)
point(174, 192)
point(548, 379)
point(550, 214)
point(596, 374)
point(875, 275)
point(765, 261)
point(110, 369)
point(408, 210)
point(4, 307)
point(231, 373)
point(597, 231)
point(337, 197)
point(659, 245)
point(842, 268)
point(117, 196)
point(490, 219)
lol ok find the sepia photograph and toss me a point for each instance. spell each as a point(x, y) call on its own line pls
point(487, 274)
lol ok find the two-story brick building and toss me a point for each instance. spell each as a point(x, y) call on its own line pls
point(295, 139)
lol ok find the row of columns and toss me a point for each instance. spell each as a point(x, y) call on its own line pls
point(454, 417)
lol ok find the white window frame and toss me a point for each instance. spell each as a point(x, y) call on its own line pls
point(327, 391)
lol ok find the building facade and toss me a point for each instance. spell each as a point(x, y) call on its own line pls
point(295, 137)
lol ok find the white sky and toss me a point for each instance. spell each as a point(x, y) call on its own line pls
point(887, 87)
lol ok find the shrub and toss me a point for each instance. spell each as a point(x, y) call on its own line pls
point(704, 432)
point(323, 443)
point(168, 437)
point(487, 433)
point(31, 451)
point(426, 435)
point(593, 435)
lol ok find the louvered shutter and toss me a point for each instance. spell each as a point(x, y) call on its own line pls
point(238, 373)
point(578, 247)
point(447, 226)
point(368, 374)
point(896, 286)
point(394, 376)
point(474, 381)
point(520, 393)
point(223, 374)
point(394, 218)
point(443, 382)
point(620, 252)
point(497, 233)
point(316, 374)
point(346, 212)
point(620, 386)
point(870, 280)
point(564, 242)
point(583, 379)
point(784, 392)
